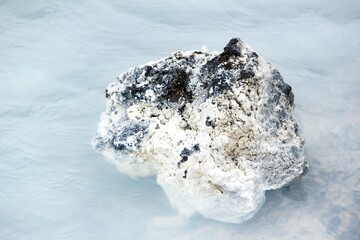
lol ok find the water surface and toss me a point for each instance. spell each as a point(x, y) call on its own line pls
point(56, 59)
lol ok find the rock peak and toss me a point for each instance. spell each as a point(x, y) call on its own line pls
point(234, 47)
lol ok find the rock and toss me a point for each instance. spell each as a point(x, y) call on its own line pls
point(217, 130)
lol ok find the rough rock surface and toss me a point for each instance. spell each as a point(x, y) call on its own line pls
point(216, 128)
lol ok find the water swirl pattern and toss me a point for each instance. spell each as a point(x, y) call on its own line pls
point(57, 57)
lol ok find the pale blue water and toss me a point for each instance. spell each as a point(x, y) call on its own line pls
point(57, 57)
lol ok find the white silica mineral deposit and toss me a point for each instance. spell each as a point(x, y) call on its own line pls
point(215, 128)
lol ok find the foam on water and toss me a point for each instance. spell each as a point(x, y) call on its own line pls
point(56, 60)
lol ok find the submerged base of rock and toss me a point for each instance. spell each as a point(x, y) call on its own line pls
point(216, 128)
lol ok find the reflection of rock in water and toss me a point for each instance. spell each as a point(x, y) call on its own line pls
point(295, 191)
point(216, 128)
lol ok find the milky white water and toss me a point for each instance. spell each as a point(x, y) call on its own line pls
point(56, 59)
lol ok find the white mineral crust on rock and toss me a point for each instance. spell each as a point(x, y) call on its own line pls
point(216, 128)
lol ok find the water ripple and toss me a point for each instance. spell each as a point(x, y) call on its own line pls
point(58, 57)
